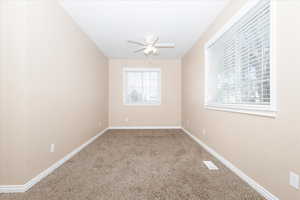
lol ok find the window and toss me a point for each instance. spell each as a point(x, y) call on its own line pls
point(142, 86)
point(238, 67)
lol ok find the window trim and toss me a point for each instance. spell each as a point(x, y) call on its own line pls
point(269, 110)
point(138, 69)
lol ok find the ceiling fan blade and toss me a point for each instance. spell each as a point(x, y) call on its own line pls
point(155, 41)
point(135, 42)
point(165, 45)
point(142, 49)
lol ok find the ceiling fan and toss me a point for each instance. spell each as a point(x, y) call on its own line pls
point(150, 46)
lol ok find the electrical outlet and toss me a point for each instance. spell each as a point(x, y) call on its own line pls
point(126, 119)
point(52, 148)
point(203, 132)
point(294, 180)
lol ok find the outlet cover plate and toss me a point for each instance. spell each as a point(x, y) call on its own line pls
point(52, 148)
point(294, 180)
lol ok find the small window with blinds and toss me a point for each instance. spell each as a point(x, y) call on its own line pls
point(141, 86)
point(238, 63)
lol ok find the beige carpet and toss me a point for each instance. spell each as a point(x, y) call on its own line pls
point(140, 165)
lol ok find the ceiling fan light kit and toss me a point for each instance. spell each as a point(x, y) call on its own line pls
point(150, 45)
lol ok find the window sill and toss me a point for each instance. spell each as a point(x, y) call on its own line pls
point(249, 111)
point(141, 104)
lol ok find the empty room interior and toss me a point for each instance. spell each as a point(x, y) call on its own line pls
point(149, 99)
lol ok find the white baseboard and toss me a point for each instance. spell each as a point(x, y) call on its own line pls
point(261, 190)
point(144, 127)
point(12, 188)
point(43, 174)
point(23, 188)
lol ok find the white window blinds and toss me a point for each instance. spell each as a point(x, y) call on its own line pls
point(239, 61)
point(142, 86)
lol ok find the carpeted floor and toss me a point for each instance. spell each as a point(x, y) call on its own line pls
point(140, 165)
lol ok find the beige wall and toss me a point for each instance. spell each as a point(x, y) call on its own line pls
point(166, 114)
point(266, 149)
point(12, 99)
point(54, 88)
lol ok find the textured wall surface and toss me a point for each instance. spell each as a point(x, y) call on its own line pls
point(54, 88)
point(166, 114)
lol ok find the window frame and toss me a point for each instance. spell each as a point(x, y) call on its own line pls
point(137, 69)
point(261, 110)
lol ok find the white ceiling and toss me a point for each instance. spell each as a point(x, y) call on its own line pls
point(110, 23)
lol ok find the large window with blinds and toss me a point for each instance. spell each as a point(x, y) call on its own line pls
point(141, 86)
point(238, 68)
